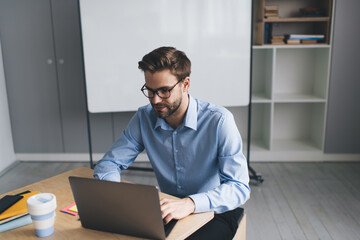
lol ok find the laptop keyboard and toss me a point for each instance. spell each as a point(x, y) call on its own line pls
point(168, 227)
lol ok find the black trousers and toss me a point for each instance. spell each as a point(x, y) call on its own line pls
point(222, 227)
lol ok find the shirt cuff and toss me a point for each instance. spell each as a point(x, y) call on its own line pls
point(110, 176)
point(201, 201)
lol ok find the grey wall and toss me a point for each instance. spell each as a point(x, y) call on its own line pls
point(343, 120)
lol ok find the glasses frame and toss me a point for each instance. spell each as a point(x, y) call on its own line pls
point(156, 91)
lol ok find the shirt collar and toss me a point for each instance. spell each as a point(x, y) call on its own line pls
point(191, 114)
point(190, 120)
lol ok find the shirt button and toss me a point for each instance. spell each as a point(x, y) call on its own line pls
point(176, 150)
point(179, 187)
point(178, 169)
point(175, 132)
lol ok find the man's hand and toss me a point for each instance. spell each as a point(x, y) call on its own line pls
point(176, 208)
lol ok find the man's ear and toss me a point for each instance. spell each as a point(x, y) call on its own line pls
point(186, 84)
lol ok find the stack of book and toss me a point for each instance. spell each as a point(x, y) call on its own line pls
point(312, 12)
point(304, 38)
point(278, 39)
point(271, 11)
point(293, 41)
point(14, 211)
point(309, 41)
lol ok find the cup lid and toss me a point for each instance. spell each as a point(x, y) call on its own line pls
point(41, 200)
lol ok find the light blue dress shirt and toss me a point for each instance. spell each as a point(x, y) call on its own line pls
point(201, 159)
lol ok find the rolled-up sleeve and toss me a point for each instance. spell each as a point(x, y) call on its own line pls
point(122, 153)
point(234, 189)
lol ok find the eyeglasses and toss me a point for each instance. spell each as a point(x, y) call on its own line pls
point(163, 92)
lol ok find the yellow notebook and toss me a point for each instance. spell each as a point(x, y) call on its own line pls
point(19, 207)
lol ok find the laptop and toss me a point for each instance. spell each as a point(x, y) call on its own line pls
point(125, 208)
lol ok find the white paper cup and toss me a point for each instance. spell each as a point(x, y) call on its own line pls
point(41, 208)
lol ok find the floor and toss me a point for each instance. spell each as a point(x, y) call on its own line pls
point(296, 200)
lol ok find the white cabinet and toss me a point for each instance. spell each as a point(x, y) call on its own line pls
point(290, 82)
point(290, 86)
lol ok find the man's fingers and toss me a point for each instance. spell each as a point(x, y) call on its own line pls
point(176, 209)
point(164, 201)
point(168, 218)
point(167, 215)
point(165, 212)
point(164, 205)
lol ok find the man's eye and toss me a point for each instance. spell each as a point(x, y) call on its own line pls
point(163, 90)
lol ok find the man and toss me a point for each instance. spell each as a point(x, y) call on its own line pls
point(194, 147)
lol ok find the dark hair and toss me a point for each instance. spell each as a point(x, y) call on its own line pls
point(167, 58)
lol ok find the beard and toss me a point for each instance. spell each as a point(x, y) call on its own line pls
point(164, 110)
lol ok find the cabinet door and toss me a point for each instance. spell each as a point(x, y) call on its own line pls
point(65, 15)
point(30, 72)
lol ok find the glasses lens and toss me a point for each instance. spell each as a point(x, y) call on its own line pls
point(163, 93)
point(148, 93)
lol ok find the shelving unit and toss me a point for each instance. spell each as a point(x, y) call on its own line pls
point(290, 86)
point(290, 20)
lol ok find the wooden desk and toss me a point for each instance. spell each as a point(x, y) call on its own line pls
point(69, 227)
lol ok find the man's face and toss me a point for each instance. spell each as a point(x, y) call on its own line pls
point(164, 79)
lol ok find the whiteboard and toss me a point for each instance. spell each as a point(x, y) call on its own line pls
point(214, 34)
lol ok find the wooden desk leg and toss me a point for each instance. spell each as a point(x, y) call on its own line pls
point(241, 231)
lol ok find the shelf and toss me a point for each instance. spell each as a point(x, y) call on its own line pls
point(260, 98)
point(258, 145)
point(289, 19)
point(274, 46)
point(255, 146)
point(299, 121)
point(294, 145)
point(261, 80)
point(261, 125)
point(297, 98)
point(290, 82)
point(297, 19)
point(301, 75)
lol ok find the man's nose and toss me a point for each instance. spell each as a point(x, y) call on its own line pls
point(156, 99)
